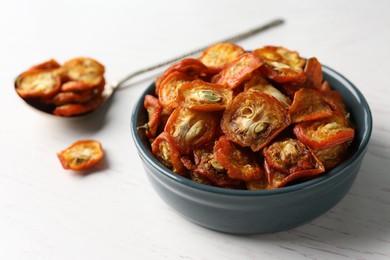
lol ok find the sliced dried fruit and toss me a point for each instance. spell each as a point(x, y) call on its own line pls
point(166, 151)
point(281, 65)
point(258, 83)
point(74, 109)
point(81, 155)
point(324, 133)
point(154, 109)
point(38, 84)
point(50, 65)
point(169, 89)
point(208, 168)
point(253, 119)
point(63, 98)
point(332, 156)
point(288, 160)
point(191, 67)
point(204, 96)
point(309, 104)
point(239, 162)
point(290, 156)
point(84, 69)
point(217, 56)
point(313, 71)
point(238, 70)
point(190, 128)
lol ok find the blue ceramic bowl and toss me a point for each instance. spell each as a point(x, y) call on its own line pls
point(260, 211)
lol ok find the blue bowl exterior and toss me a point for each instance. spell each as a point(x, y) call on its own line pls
point(255, 212)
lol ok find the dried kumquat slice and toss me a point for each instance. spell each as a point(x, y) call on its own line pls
point(217, 56)
point(238, 70)
point(253, 119)
point(38, 84)
point(154, 109)
point(325, 132)
point(190, 128)
point(81, 155)
point(204, 96)
point(169, 89)
point(281, 65)
point(167, 152)
point(239, 162)
point(309, 104)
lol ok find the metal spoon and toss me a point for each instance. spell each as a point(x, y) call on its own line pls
point(109, 88)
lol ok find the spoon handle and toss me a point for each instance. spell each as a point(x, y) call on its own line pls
point(235, 38)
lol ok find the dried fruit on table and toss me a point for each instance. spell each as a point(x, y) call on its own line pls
point(81, 155)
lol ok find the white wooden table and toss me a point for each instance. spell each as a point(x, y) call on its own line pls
point(49, 213)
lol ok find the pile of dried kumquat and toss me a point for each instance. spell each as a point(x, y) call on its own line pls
point(247, 120)
point(73, 88)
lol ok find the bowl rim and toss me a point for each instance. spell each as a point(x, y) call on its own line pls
point(152, 161)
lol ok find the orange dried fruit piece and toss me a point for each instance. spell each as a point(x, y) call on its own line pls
point(154, 109)
point(313, 71)
point(84, 69)
point(281, 64)
point(325, 132)
point(74, 109)
point(191, 67)
point(190, 128)
point(237, 71)
point(81, 155)
point(63, 98)
point(164, 148)
point(169, 89)
point(309, 104)
point(289, 159)
point(209, 169)
point(38, 84)
point(51, 64)
point(332, 156)
point(217, 56)
point(239, 162)
point(204, 96)
point(258, 83)
point(253, 119)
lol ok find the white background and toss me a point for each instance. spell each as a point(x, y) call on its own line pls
point(49, 213)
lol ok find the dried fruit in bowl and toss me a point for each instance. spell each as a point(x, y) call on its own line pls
point(253, 119)
point(281, 64)
point(204, 96)
point(191, 129)
point(248, 120)
point(217, 56)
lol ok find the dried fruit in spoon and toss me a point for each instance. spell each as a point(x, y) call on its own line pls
point(72, 89)
point(81, 155)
